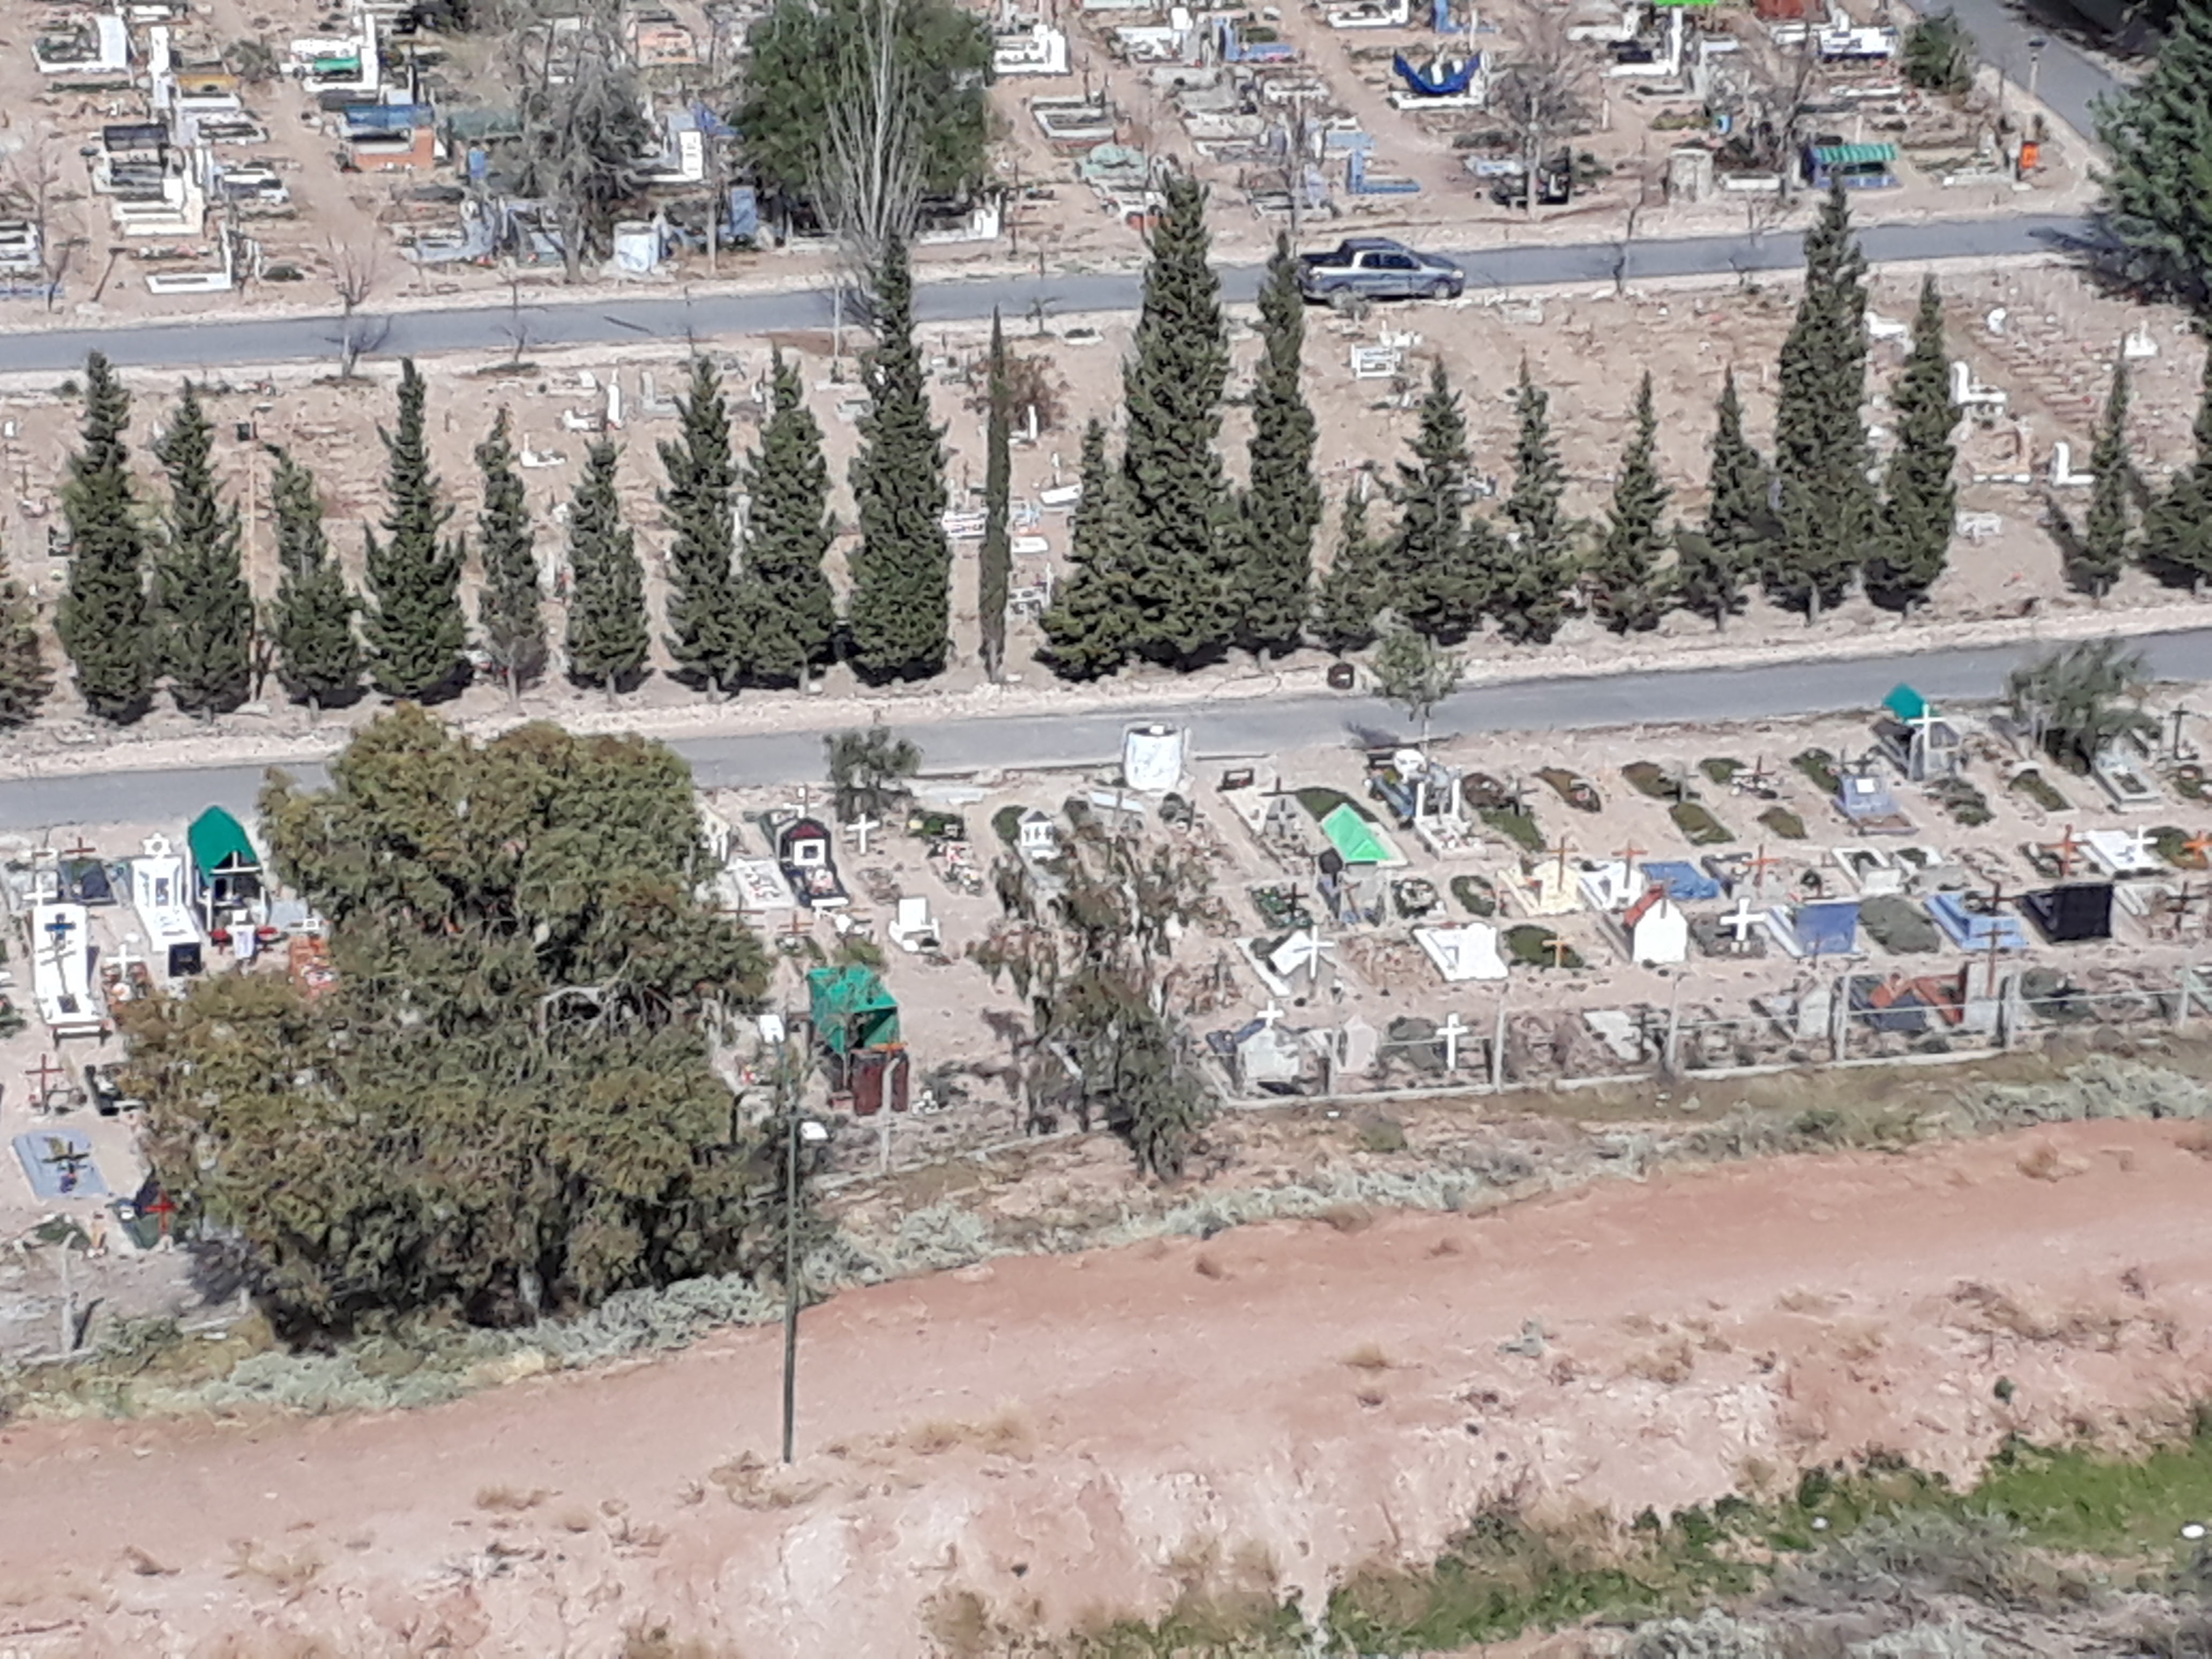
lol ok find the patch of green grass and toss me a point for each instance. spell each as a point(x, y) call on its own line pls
point(1532, 947)
point(1819, 765)
point(1783, 823)
point(1519, 828)
point(1007, 821)
point(1475, 895)
point(1965, 804)
point(1650, 778)
point(2030, 781)
point(1573, 787)
point(2171, 841)
point(1699, 827)
point(1321, 802)
point(1721, 769)
point(2119, 1508)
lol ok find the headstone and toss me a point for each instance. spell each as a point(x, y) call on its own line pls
point(1361, 1044)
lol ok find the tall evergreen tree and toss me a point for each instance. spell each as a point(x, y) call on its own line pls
point(791, 613)
point(1628, 589)
point(1713, 565)
point(2099, 551)
point(1183, 551)
point(1824, 503)
point(26, 676)
point(103, 622)
point(2158, 131)
point(706, 632)
point(2177, 543)
point(1356, 588)
point(511, 608)
point(1282, 499)
point(1435, 577)
point(205, 609)
point(608, 637)
point(318, 658)
point(414, 623)
point(901, 612)
point(994, 568)
point(1920, 502)
point(1091, 626)
point(1529, 600)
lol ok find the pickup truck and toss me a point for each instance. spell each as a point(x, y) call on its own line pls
point(1375, 268)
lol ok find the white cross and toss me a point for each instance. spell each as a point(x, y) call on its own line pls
point(1451, 1031)
point(806, 798)
point(1742, 921)
point(2138, 849)
point(1270, 1014)
point(860, 829)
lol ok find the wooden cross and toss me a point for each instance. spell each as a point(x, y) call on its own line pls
point(1563, 849)
point(42, 1079)
point(1757, 868)
point(1559, 947)
point(2068, 846)
point(2199, 844)
point(1628, 855)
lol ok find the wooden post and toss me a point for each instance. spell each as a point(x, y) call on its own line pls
point(1841, 1014)
point(1673, 1029)
point(2188, 978)
point(1497, 1047)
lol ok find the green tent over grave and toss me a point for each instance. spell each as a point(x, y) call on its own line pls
point(852, 1009)
point(220, 845)
point(1354, 838)
point(1906, 704)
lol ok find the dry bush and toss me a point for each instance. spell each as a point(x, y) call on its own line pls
point(1670, 1363)
point(1007, 1432)
point(1988, 1311)
point(752, 1483)
point(144, 1566)
point(1032, 383)
point(1804, 1302)
point(287, 1574)
point(505, 1500)
point(1368, 1357)
point(2046, 1163)
point(1347, 1218)
point(1209, 1266)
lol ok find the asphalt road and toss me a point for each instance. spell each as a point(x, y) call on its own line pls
point(1220, 732)
point(210, 348)
point(2066, 77)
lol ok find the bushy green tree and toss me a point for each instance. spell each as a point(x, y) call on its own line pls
point(2079, 698)
point(792, 615)
point(1434, 579)
point(1920, 501)
point(871, 771)
point(1356, 588)
point(1714, 564)
point(1281, 505)
point(1826, 508)
point(2158, 188)
point(511, 607)
point(900, 614)
point(205, 609)
point(1628, 589)
point(414, 622)
point(608, 637)
point(706, 632)
point(103, 622)
point(1091, 628)
point(507, 1103)
point(318, 656)
point(2177, 539)
point(1939, 53)
point(995, 564)
point(1413, 671)
point(1529, 600)
point(1180, 541)
point(27, 678)
point(2097, 554)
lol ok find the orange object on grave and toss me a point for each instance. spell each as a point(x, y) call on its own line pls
point(2030, 155)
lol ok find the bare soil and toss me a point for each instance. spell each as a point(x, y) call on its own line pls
point(1063, 1437)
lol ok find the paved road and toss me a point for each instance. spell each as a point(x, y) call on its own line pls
point(1659, 697)
point(210, 347)
point(2067, 78)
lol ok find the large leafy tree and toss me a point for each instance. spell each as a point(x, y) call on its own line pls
point(1529, 600)
point(608, 637)
point(1714, 564)
point(2080, 697)
point(1436, 577)
point(2157, 188)
point(507, 1103)
point(1092, 623)
point(318, 656)
point(809, 60)
point(2097, 554)
point(706, 632)
point(1826, 504)
point(2177, 539)
point(1628, 590)
point(1356, 590)
point(26, 676)
point(1920, 501)
point(901, 610)
point(792, 615)
point(205, 609)
point(1181, 542)
point(104, 625)
point(1281, 505)
point(511, 606)
point(994, 562)
point(415, 625)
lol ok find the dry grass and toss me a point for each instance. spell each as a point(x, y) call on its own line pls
point(144, 1565)
point(1670, 1363)
point(1804, 1302)
point(2044, 1162)
point(290, 1576)
point(1988, 1311)
point(1007, 1432)
point(752, 1483)
point(1368, 1357)
point(506, 1500)
point(1348, 1218)
point(1208, 1266)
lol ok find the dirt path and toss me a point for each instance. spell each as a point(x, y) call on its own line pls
point(1062, 1436)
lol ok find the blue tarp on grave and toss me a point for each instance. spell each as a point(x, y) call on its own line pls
point(1830, 928)
point(1685, 883)
point(59, 1163)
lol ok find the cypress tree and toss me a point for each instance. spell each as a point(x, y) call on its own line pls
point(1920, 503)
point(1713, 566)
point(1183, 551)
point(1826, 506)
point(414, 622)
point(792, 615)
point(2099, 551)
point(994, 568)
point(2178, 525)
point(26, 676)
point(103, 620)
point(511, 608)
point(1530, 599)
point(1435, 577)
point(707, 633)
point(2158, 133)
point(1356, 590)
point(900, 615)
point(1091, 625)
point(1629, 593)
point(318, 657)
point(608, 637)
point(1282, 500)
point(200, 596)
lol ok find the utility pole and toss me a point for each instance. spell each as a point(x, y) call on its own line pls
point(790, 1260)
